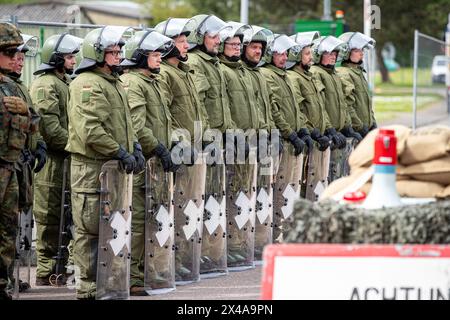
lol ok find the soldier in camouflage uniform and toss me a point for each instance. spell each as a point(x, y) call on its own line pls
point(356, 87)
point(15, 125)
point(153, 126)
point(35, 146)
point(50, 95)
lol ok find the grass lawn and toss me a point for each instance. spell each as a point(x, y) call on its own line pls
point(397, 97)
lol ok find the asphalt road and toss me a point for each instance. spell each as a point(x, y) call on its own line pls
point(240, 285)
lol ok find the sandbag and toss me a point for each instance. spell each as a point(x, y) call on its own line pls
point(342, 183)
point(445, 193)
point(425, 144)
point(363, 154)
point(437, 170)
point(413, 189)
point(330, 222)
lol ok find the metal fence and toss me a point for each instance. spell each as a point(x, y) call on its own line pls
point(44, 30)
point(429, 91)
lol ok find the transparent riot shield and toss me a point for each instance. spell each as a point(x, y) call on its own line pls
point(159, 267)
point(114, 243)
point(287, 189)
point(189, 198)
point(241, 203)
point(23, 251)
point(264, 208)
point(339, 166)
point(316, 179)
point(65, 230)
point(213, 261)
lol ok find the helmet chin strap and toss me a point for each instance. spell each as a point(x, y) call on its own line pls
point(233, 58)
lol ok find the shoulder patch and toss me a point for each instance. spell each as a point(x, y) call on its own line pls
point(86, 94)
point(40, 93)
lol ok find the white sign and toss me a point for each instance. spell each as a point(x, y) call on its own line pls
point(356, 272)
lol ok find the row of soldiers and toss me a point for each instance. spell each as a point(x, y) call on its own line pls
point(190, 218)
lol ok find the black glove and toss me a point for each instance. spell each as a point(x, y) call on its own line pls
point(322, 140)
point(364, 131)
point(140, 159)
point(127, 161)
point(303, 134)
point(41, 155)
point(296, 142)
point(336, 138)
point(350, 133)
point(373, 127)
point(166, 160)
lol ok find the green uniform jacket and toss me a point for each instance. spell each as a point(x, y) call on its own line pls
point(241, 95)
point(50, 94)
point(309, 97)
point(210, 84)
point(339, 113)
point(35, 135)
point(290, 118)
point(149, 112)
point(99, 117)
point(357, 93)
point(181, 97)
point(261, 91)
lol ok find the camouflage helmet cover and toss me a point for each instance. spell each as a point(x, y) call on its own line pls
point(9, 35)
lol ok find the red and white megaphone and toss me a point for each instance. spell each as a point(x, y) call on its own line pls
point(384, 191)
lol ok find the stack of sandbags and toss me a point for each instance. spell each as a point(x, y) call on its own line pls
point(330, 222)
point(423, 169)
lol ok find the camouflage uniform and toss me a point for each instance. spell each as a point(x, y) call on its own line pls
point(14, 129)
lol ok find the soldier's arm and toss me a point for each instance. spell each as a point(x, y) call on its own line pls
point(278, 118)
point(201, 83)
point(95, 110)
point(349, 91)
point(46, 102)
point(137, 103)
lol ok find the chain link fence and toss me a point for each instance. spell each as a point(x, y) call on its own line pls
point(429, 91)
point(43, 30)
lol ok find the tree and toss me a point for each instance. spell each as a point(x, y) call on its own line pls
point(163, 9)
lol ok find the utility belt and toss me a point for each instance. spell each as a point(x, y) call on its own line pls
point(7, 165)
point(81, 158)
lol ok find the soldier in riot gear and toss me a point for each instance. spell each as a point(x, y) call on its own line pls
point(252, 53)
point(293, 128)
point(50, 94)
point(307, 90)
point(16, 125)
point(100, 129)
point(241, 182)
point(35, 150)
point(189, 121)
point(355, 83)
point(342, 117)
point(153, 125)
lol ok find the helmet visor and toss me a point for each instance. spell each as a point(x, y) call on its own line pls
point(283, 43)
point(30, 45)
point(361, 41)
point(305, 39)
point(176, 26)
point(238, 29)
point(330, 44)
point(114, 35)
point(69, 44)
point(212, 26)
point(155, 41)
